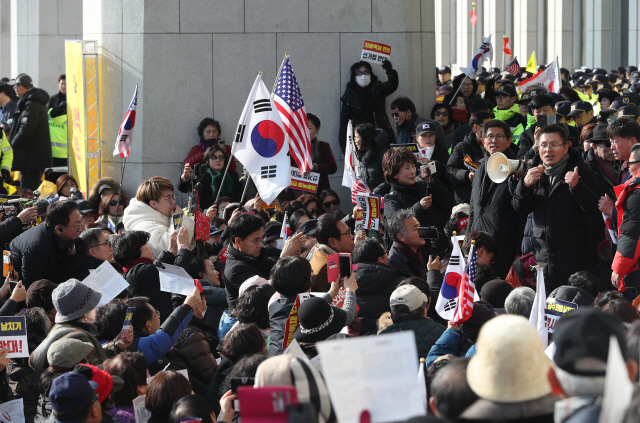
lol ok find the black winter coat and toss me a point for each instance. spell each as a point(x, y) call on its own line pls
point(241, 267)
point(491, 211)
point(458, 171)
point(527, 140)
point(427, 332)
point(207, 197)
point(24, 383)
point(408, 197)
point(38, 253)
point(376, 282)
point(144, 280)
point(591, 161)
point(56, 99)
point(77, 266)
point(567, 225)
point(367, 105)
point(371, 161)
point(29, 136)
point(9, 229)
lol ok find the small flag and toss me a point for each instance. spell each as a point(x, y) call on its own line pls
point(285, 233)
point(358, 188)
point(531, 64)
point(110, 224)
point(474, 17)
point(350, 160)
point(609, 224)
point(485, 51)
point(513, 67)
point(618, 389)
point(422, 382)
point(123, 142)
point(448, 297)
point(506, 48)
point(467, 289)
point(538, 317)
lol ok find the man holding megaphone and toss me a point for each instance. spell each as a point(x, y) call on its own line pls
point(490, 208)
point(562, 193)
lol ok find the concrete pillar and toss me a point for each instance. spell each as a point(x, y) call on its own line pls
point(199, 59)
point(529, 30)
point(5, 38)
point(634, 32)
point(563, 40)
point(602, 24)
point(38, 31)
point(445, 32)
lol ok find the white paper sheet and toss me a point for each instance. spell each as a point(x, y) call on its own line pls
point(295, 349)
point(13, 410)
point(175, 279)
point(374, 373)
point(183, 372)
point(106, 280)
point(142, 414)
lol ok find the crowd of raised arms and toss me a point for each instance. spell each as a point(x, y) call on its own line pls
point(534, 195)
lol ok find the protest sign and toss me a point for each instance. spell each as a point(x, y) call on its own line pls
point(555, 309)
point(308, 183)
point(106, 280)
point(12, 411)
point(295, 349)
point(141, 412)
point(375, 52)
point(292, 322)
point(176, 221)
point(370, 206)
point(125, 326)
point(391, 393)
point(411, 147)
point(13, 336)
point(359, 223)
point(175, 279)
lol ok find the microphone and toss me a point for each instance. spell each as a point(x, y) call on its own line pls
point(42, 206)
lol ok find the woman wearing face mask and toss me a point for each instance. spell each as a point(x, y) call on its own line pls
point(209, 132)
point(431, 140)
point(364, 99)
point(192, 350)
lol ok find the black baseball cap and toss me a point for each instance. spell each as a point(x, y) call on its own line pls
point(620, 82)
point(631, 69)
point(602, 87)
point(577, 75)
point(579, 107)
point(525, 98)
point(444, 69)
point(506, 90)
point(84, 207)
point(585, 333)
point(563, 108)
point(599, 134)
point(613, 108)
point(22, 79)
point(482, 80)
point(629, 111)
point(424, 127)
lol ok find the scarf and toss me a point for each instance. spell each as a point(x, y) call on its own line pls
point(131, 264)
point(556, 170)
point(204, 144)
point(216, 179)
point(414, 256)
point(460, 115)
point(611, 175)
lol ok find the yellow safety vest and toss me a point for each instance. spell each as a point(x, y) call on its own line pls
point(58, 133)
point(6, 152)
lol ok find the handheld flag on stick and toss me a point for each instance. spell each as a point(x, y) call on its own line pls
point(506, 48)
point(538, 317)
point(485, 51)
point(261, 144)
point(123, 142)
point(467, 289)
point(290, 105)
point(513, 67)
point(350, 160)
point(548, 78)
point(609, 224)
point(531, 64)
point(285, 233)
point(448, 297)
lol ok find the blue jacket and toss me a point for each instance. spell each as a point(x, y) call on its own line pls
point(448, 343)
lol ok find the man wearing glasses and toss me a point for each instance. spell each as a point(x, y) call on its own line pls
point(92, 249)
point(39, 252)
point(29, 135)
point(562, 193)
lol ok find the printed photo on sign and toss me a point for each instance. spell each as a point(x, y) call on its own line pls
point(13, 336)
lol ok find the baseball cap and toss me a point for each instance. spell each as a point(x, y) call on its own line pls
point(631, 69)
point(603, 87)
point(629, 111)
point(506, 90)
point(525, 98)
point(584, 333)
point(68, 352)
point(22, 79)
point(424, 127)
point(482, 80)
point(214, 230)
point(408, 295)
point(84, 207)
point(563, 108)
point(613, 108)
point(70, 391)
point(444, 69)
point(599, 134)
point(579, 107)
point(445, 89)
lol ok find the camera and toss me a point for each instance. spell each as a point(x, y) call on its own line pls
point(199, 170)
point(436, 243)
point(12, 205)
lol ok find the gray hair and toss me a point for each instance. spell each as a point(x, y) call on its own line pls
point(580, 386)
point(635, 151)
point(395, 225)
point(520, 301)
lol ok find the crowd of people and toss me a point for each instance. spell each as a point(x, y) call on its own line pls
point(563, 204)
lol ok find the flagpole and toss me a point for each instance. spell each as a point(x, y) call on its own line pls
point(504, 37)
point(124, 163)
point(454, 96)
point(275, 83)
point(473, 28)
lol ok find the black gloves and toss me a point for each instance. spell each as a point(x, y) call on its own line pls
point(6, 175)
point(387, 66)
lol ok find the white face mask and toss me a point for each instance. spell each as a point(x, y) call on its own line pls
point(428, 152)
point(280, 244)
point(363, 80)
point(203, 312)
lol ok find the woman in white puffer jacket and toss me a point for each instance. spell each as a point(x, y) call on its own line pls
point(151, 211)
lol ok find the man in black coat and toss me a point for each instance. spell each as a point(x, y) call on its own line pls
point(562, 193)
point(61, 97)
point(601, 160)
point(29, 136)
point(92, 250)
point(465, 158)
point(38, 252)
point(376, 281)
point(490, 208)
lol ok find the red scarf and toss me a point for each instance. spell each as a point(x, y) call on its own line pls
point(414, 256)
point(131, 264)
point(460, 115)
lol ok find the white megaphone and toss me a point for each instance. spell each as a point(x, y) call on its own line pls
point(499, 167)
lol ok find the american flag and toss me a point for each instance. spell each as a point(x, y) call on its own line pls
point(294, 117)
point(358, 188)
point(513, 67)
point(466, 292)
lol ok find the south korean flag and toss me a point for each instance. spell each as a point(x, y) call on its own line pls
point(262, 145)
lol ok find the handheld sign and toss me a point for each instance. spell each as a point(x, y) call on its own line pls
point(370, 206)
point(126, 325)
point(308, 183)
point(413, 147)
point(13, 336)
point(292, 322)
point(555, 309)
point(12, 411)
point(175, 279)
point(141, 413)
point(176, 219)
point(375, 52)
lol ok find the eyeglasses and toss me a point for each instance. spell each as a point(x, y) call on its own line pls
point(467, 85)
point(331, 203)
point(77, 227)
point(220, 157)
point(603, 144)
point(99, 245)
point(348, 232)
point(257, 241)
point(170, 198)
point(157, 314)
point(553, 146)
point(499, 137)
point(395, 114)
point(358, 73)
point(114, 203)
point(445, 113)
point(630, 163)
